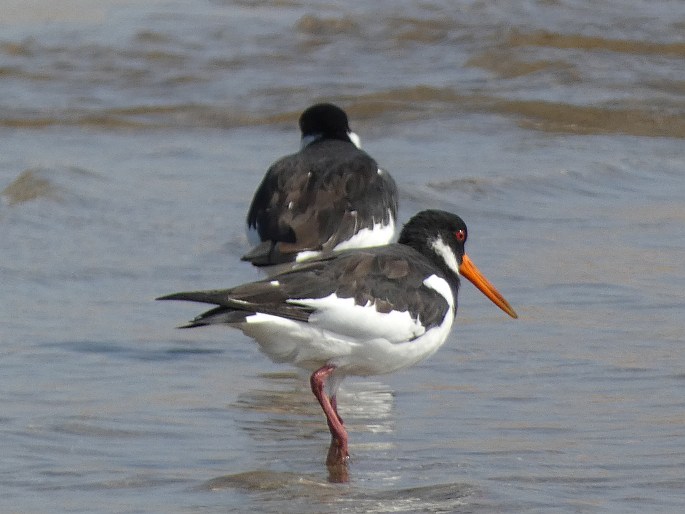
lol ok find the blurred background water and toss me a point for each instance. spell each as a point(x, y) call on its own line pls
point(132, 136)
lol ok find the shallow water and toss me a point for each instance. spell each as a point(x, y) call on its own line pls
point(132, 138)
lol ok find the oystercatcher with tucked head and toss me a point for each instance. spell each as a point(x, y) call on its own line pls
point(357, 312)
point(329, 196)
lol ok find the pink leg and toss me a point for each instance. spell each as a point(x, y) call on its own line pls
point(334, 404)
point(337, 454)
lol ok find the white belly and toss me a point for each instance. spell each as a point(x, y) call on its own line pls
point(309, 346)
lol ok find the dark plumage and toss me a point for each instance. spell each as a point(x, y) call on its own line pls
point(371, 276)
point(313, 201)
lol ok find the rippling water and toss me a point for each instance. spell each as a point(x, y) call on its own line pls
point(133, 135)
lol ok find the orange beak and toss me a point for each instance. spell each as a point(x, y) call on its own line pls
point(469, 270)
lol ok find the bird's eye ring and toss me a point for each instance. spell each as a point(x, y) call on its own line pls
point(460, 235)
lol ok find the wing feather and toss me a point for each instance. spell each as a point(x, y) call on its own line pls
point(384, 280)
point(314, 200)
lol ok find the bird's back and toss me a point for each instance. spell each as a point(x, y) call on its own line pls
point(320, 198)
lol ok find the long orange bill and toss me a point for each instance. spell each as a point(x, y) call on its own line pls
point(469, 270)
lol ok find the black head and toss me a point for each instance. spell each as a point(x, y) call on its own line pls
point(438, 234)
point(325, 121)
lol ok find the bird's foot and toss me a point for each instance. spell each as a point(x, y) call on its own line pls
point(337, 460)
point(337, 453)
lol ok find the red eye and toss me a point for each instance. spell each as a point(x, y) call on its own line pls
point(460, 235)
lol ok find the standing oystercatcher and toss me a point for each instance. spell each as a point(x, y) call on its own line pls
point(358, 312)
point(329, 196)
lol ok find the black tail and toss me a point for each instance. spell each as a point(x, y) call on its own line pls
point(214, 297)
point(268, 254)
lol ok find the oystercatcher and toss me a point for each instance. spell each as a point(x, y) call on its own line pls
point(329, 196)
point(358, 312)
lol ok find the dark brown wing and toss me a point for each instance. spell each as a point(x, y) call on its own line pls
point(316, 199)
point(387, 278)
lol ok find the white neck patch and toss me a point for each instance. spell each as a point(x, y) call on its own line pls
point(446, 253)
point(355, 139)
